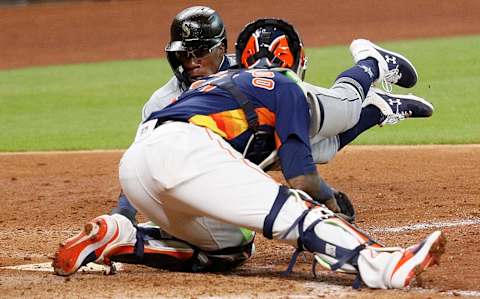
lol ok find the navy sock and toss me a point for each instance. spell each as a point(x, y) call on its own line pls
point(123, 202)
point(369, 117)
point(365, 72)
point(125, 208)
point(372, 65)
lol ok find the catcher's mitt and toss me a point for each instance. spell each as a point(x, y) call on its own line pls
point(347, 211)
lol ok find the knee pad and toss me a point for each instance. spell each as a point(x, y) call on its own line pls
point(228, 259)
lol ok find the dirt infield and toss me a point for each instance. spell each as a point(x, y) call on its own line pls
point(47, 197)
point(401, 193)
point(110, 30)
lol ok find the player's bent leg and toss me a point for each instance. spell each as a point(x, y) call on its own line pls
point(241, 194)
point(203, 179)
point(340, 108)
point(157, 249)
point(324, 149)
point(340, 246)
point(114, 238)
point(174, 217)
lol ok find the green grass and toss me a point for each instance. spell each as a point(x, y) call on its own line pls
point(97, 106)
point(87, 106)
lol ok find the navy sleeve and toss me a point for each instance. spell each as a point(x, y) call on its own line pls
point(292, 126)
point(295, 158)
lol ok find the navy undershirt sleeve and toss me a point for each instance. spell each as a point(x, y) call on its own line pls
point(295, 158)
point(292, 126)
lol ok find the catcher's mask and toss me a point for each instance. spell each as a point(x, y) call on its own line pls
point(195, 32)
point(271, 43)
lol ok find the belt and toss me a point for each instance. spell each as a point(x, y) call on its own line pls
point(166, 121)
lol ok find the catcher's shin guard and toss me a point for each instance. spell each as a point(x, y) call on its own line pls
point(376, 266)
point(335, 243)
point(340, 246)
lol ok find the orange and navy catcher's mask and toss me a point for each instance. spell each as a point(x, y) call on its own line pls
point(270, 43)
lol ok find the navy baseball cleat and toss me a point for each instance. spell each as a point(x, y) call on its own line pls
point(396, 107)
point(393, 67)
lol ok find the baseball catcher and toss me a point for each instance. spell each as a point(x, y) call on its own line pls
point(188, 165)
point(206, 45)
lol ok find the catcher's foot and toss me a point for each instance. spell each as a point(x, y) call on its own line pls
point(85, 247)
point(417, 258)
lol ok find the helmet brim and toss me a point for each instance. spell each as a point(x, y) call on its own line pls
point(175, 46)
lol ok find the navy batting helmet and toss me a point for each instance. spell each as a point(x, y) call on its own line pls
point(195, 31)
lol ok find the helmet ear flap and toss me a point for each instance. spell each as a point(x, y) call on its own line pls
point(281, 51)
point(250, 49)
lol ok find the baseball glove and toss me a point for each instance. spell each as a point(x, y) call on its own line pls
point(347, 211)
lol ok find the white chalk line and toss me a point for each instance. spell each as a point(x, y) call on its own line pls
point(319, 288)
point(426, 225)
point(464, 293)
point(47, 267)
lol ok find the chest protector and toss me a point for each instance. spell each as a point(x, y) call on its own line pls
point(261, 143)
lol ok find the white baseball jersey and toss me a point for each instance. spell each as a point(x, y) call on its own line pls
point(181, 174)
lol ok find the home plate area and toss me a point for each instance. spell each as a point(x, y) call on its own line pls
point(47, 267)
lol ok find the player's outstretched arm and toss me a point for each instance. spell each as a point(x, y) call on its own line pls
point(336, 201)
point(317, 188)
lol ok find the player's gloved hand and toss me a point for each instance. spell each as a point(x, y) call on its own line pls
point(345, 207)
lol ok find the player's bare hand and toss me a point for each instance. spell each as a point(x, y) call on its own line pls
point(332, 205)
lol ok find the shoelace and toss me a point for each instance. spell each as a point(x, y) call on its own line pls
point(393, 119)
point(391, 77)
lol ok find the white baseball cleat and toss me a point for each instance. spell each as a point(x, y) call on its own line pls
point(87, 246)
point(416, 259)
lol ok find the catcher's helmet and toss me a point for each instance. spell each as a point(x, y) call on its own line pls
point(195, 31)
point(270, 43)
